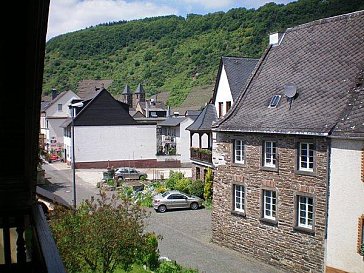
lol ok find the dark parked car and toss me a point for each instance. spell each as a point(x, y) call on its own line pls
point(129, 173)
point(175, 200)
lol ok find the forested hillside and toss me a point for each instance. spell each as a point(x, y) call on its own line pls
point(173, 53)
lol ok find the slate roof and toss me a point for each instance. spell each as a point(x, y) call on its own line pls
point(205, 120)
point(88, 89)
point(103, 110)
point(140, 89)
point(323, 59)
point(192, 113)
point(352, 122)
point(46, 106)
point(172, 121)
point(237, 71)
point(126, 90)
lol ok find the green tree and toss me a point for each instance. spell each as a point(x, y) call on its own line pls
point(208, 185)
point(102, 235)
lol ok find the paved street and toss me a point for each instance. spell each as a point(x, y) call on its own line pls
point(187, 239)
point(186, 233)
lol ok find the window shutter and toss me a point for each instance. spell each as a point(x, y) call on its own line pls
point(360, 233)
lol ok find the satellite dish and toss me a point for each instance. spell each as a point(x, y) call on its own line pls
point(290, 90)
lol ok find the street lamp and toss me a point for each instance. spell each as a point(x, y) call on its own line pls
point(73, 108)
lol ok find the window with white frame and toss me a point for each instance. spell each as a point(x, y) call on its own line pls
point(269, 204)
point(305, 211)
point(239, 156)
point(239, 198)
point(270, 154)
point(59, 107)
point(306, 156)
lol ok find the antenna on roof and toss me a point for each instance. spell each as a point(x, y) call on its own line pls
point(290, 91)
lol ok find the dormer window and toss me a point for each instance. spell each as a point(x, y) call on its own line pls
point(59, 107)
point(274, 101)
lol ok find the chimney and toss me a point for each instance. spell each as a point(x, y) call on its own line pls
point(275, 38)
point(54, 93)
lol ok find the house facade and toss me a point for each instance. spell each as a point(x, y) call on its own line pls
point(232, 76)
point(109, 138)
point(281, 172)
point(53, 114)
point(173, 140)
point(345, 234)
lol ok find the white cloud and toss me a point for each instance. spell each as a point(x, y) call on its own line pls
point(208, 4)
point(70, 15)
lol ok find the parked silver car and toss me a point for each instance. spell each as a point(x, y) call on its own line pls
point(129, 173)
point(175, 200)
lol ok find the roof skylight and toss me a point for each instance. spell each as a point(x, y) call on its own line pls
point(274, 101)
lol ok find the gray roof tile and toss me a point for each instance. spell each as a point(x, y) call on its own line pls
point(204, 121)
point(323, 59)
point(238, 71)
point(126, 90)
point(352, 122)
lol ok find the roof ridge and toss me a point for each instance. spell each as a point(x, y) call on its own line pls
point(327, 20)
point(243, 58)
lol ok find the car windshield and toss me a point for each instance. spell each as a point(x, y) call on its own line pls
point(165, 194)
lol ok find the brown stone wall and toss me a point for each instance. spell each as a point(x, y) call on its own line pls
point(279, 244)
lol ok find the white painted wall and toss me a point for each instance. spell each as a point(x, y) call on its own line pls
point(196, 140)
point(55, 118)
point(183, 144)
point(346, 205)
point(223, 93)
point(102, 143)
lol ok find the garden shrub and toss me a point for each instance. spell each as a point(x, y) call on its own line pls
point(173, 267)
point(196, 188)
point(183, 185)
point(173, 178)
point(208, 185)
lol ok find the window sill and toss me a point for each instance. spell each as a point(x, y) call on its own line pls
point(269, 221)
point(308, 173)
point(304, 230)
point(269, 169)
point(238, 213)
point(238, 164)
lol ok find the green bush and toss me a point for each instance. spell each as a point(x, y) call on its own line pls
point(183, 185)
point(173, 267)
point(150, 252)
point(173, 178)
point(196, 188)
point(208, 185)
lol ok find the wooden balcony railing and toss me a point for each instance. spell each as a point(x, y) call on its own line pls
point(26, 243)
point(201, 154)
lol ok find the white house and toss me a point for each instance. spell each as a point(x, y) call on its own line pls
point(53, 114)
point(106, 135)
point(232, 76)
point(345, 233)
point(173, 140)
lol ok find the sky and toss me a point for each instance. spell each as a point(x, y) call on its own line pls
point(71, 15)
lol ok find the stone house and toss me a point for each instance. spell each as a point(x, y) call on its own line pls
point(282, 153)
